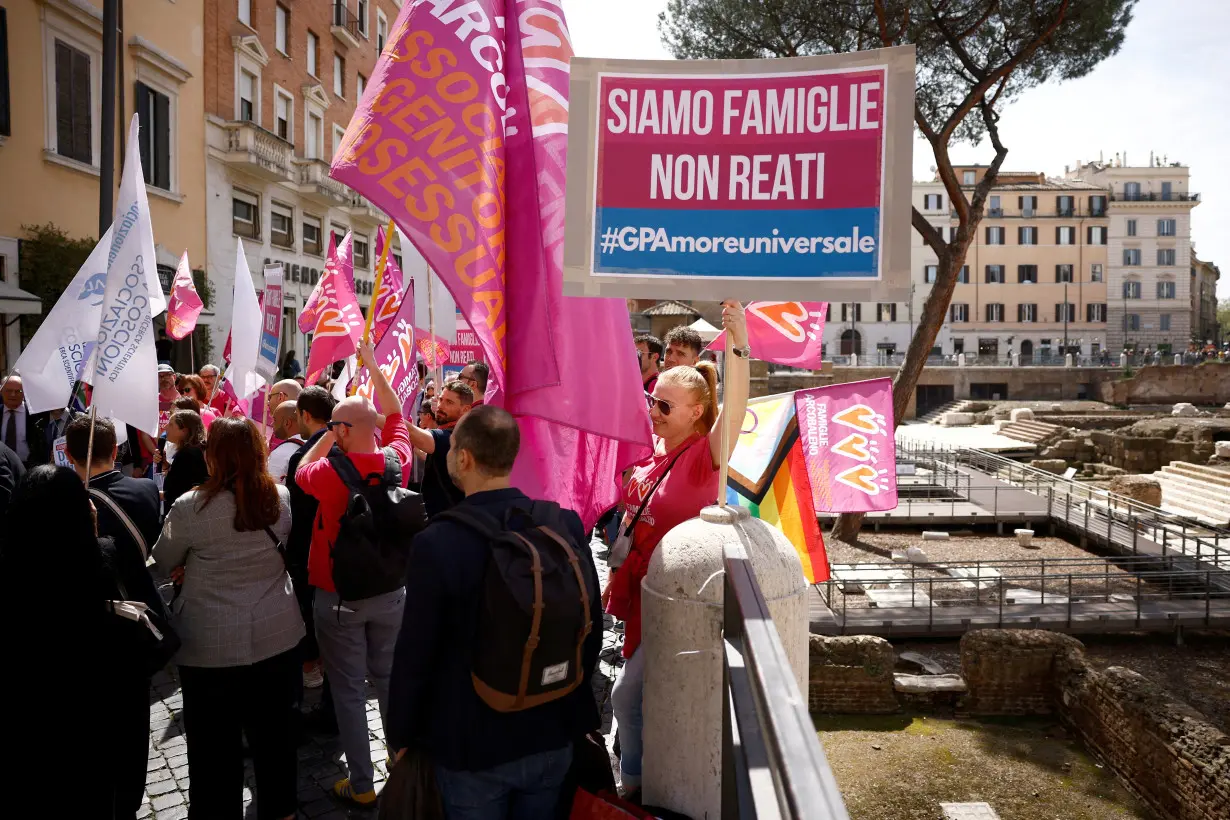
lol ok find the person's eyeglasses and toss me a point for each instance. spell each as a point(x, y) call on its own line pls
point(185, 391)
point(664, 406)
point(332, 424)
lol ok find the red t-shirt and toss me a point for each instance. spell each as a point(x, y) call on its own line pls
point(691, 485)
point(321, 481)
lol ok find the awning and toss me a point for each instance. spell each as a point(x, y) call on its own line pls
point(707, 331)
point(14, 300)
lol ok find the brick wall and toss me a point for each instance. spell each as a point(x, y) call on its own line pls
point(851, 675)
point(1012, 672)
point(1162, 749)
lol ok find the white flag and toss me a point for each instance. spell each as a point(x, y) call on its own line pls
point(55, 357)
point(125, 372)
point(444, 309)
point(348, 370)
point(245, 330)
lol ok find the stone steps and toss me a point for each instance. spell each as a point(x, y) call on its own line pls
point(951, 407)
point(1196, 491)
point(1031, 431)
point(1213, 475)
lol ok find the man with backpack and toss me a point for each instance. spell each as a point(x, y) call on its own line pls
point(357, 561)
point(489, 579)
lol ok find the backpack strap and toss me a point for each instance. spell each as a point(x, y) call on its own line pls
point(345, 469)
point(133, 532)
point(392, 467)
point(482, 523)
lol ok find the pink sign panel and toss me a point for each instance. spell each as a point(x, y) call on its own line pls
point(847, 436)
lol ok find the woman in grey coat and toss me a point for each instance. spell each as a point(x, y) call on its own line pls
point(239, 622)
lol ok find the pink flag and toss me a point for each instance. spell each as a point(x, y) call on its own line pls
point(478, 189)
point(390, 291)
point(788, 333)
point(397, 355)
point(339, 322)
point(185, 305)
point(338, 256)
point(433, 349)
point(847, 435)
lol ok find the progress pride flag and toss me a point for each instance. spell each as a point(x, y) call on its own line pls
point(847, 435)
point(442, 142)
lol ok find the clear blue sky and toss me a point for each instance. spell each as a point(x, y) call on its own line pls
point(1167, 91)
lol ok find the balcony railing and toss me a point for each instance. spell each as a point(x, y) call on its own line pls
point(345, 24)
point(1173, 196)
point(772, 763)
point(259, 151)
point(1038, 213)
point(314, 182)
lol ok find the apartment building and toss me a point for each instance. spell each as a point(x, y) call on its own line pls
point(1205, 327)
point(282, 80)
point(51, 129)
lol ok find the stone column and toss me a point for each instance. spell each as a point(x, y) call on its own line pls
point(681, 608)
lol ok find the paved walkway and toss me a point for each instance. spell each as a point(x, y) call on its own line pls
point(320, 757)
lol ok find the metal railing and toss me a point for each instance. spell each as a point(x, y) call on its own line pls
point(772, 763)
point(1118, 520)
point(1173, 196)
point(342, 18)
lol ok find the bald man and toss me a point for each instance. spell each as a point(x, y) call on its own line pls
point(356, 637)
point(285, 430)
point(280, 393)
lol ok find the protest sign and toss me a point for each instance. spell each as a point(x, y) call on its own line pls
point(847, 436)
point(466, 349)
point(740, 178)
point(271, 324)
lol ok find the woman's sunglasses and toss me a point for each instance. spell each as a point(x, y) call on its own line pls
point(664, 406)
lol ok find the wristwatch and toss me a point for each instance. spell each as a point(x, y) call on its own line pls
point(742, 352)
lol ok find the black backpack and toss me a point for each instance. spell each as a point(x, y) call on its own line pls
point(373, 542)
point(534, 615)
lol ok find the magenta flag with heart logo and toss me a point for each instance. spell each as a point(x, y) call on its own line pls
point(339, 322)
point(847, 436)
point(789, 333)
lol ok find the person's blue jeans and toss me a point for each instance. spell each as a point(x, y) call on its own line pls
point(524, 789)
point(626, 703)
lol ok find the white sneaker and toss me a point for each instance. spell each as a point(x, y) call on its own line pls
point(313, 678)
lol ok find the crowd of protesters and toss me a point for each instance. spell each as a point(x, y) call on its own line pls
point(234, 548)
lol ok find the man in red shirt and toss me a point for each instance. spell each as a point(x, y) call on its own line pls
point(356, 637)
point(649, 354)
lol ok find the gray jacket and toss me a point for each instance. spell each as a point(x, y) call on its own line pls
point(238, 604)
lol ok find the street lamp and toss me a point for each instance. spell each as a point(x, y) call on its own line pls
point(1065, 321)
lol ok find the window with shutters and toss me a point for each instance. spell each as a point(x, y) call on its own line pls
point(886, 312)
point(1065, 235)
point(958, 312)
point(1027, 274)
point(995, 235)
point(1027, 313)
point(1131, 289)
point(1163, 321)
point(929, 274)
point(1095, 312)
point(1131, 257)
point(339, 233)
point(1131, 227)
point(246, 214)
point(362, 86)
point(248, 86)
point(1131, 190)
point(1065, 312)
point(1063, 273)
point(1065, 205)
point(74, 114)
point(339, 76)
point(1166, 290)
point(1131, 321)
point(963, 275)
point(1027, 236)
point(283, 114)
point(1095, 272)
point(995, 312)
point(1166, 227)
point(313, 136)
point(361, 259)
point(361, 13)
point(851, 309)
point(382, 30)
point(1097, 235)
point(281, 225)
point(933, 202)
point(995, 274)
point(968, 177)
point(154, 109)
point(1097, 205)
point(281, 28)
point(993, 206)
point(1165, 257)
point(313, 48)
point(245, 12)
point(6, 124)
point(311, 235)
point(1028, 205)
point(339, 134)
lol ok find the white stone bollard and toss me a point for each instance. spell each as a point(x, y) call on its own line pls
point(932, 535)
point(1067, 360)
point(854, 360)
point(960, 360)
point(681, 609)
point(1024, 537)
point(1123, 360)
point(1178, 358)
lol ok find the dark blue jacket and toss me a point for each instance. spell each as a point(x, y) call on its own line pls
point(432, 703)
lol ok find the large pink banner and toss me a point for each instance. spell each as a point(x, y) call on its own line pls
point(789, 333)
point(338, 324)
point(461, 140)
point(847, 435)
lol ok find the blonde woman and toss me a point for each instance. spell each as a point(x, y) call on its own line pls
point(668, 488)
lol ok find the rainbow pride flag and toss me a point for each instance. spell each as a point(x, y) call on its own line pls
point(768, 476)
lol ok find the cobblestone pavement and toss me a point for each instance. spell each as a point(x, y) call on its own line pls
point(320, 757)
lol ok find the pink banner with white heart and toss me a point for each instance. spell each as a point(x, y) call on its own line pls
point(788, 333)
point(847, 436)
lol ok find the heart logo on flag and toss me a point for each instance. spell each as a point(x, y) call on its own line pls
point(785, 317)
point(330, 323)
point(861, 417)
point(862, 478)
point(853, 446)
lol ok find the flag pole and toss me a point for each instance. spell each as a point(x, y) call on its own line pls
point(436, 372)
point(380, 269)
point(89, 447)
point(265, 414)
point(724, 456)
